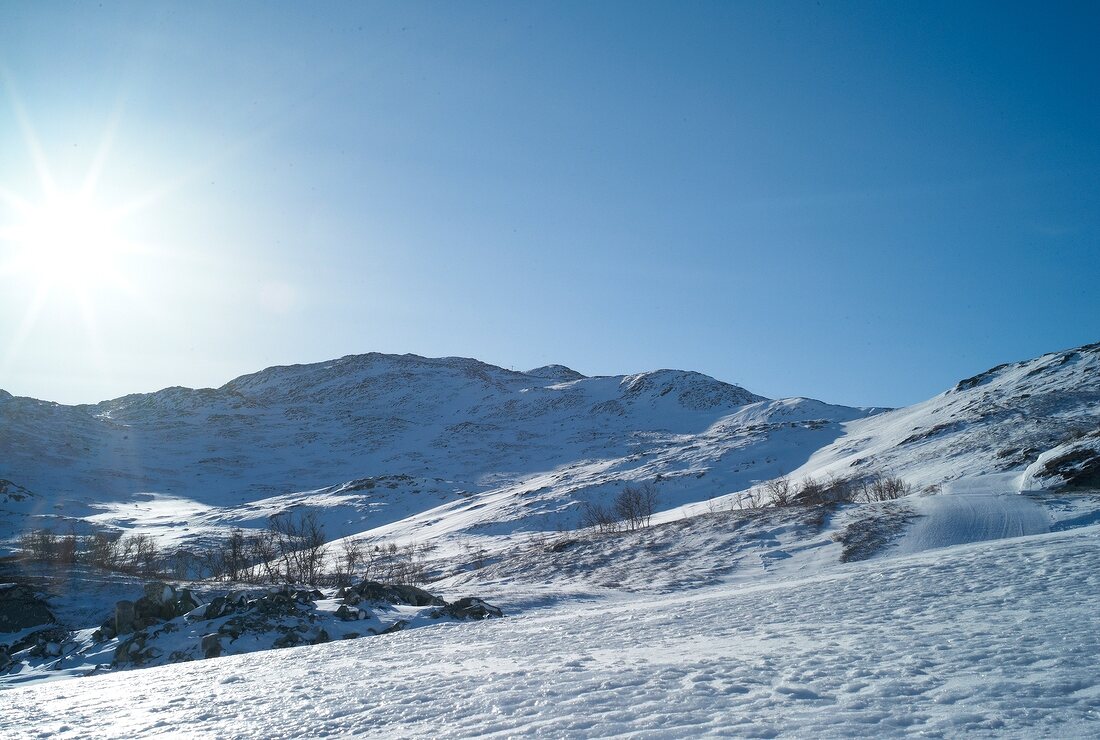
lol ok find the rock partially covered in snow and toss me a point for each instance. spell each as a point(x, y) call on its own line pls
point(391, 593)
point(468, 608)
point(21, 608)
point(1073, 464)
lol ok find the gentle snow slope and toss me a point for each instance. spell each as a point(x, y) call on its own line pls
point(990, 639)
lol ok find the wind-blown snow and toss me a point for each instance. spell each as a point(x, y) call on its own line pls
point(993, 639)
point(973, 510)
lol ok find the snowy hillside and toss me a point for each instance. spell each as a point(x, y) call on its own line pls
point(996, 639)
point(416, 449)
point(960, 607)
point(999, 421)
point(375, 439)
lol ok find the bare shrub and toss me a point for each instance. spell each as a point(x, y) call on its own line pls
point(300, 545)
point(101, 550)
point(352, 558)
point(635, 505)
point(750, 499)
point(393, 564)
point(39, 545)
point(780, 491)
point(599, 517)
point(833, 490)
point(263, 554)
point(886, 488)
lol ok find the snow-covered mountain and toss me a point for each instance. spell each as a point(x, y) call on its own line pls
point(1004, 420)
point(376, 438)
point(415, 448)
point(800, 620)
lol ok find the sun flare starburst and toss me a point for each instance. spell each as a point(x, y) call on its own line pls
point(68, 242)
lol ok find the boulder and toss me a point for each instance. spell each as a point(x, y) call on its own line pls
point(21, 607)
point(350, 613)
point(397, 626)
point(210, 645)
point(389, 594)
point(124, 617)
point(470, 607)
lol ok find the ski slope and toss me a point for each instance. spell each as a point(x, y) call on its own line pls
point(989, 639)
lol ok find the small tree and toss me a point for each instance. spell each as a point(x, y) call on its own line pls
point(635, 505)
point(102, 550)
point(263, 554)
point(886, 488)
point(599, 517)
point(300, 545)
point(351, 560)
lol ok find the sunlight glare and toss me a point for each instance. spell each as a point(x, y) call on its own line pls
point(66, 241)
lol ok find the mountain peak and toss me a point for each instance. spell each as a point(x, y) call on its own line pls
point(556, 372)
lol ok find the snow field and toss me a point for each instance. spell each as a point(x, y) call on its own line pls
point(988, 639)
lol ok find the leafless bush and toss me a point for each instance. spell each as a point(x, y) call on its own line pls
point(478, 556)
point(599, 517)
point(635, 505)
point(263, 554)
point(780, 491)
point(810, 491)
point(832, 490)
point(885, 488)
point(352, 559)
point(750, 499)
point(391, 563)
point(300, 545)
point(101, 550)
point(39, 545)
point(136, 554)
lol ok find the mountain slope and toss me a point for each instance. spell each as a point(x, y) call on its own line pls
point(373, 439)
point(999, 421)
point(989, 640)
point(415, 449)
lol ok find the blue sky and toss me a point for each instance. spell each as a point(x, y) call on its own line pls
point(860, 202)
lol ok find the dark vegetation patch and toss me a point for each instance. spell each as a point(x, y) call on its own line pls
point(875, 527)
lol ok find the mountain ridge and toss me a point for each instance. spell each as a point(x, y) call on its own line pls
point(468, 448)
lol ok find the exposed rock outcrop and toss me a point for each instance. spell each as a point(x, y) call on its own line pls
point(21, 608)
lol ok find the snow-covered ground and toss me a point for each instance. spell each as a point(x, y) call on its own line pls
point(995, 638)
point(968, 606)
point(973, 510)
point(461, 453)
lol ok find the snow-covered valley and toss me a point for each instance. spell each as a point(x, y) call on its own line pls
point(966, 604)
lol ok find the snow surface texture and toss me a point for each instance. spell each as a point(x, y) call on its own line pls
point(992, 639)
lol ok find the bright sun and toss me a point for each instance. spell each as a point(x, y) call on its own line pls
point(65, 242)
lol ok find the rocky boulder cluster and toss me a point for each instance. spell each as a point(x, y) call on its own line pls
point(159, 603)
point(169, 624)
point(25, 615)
